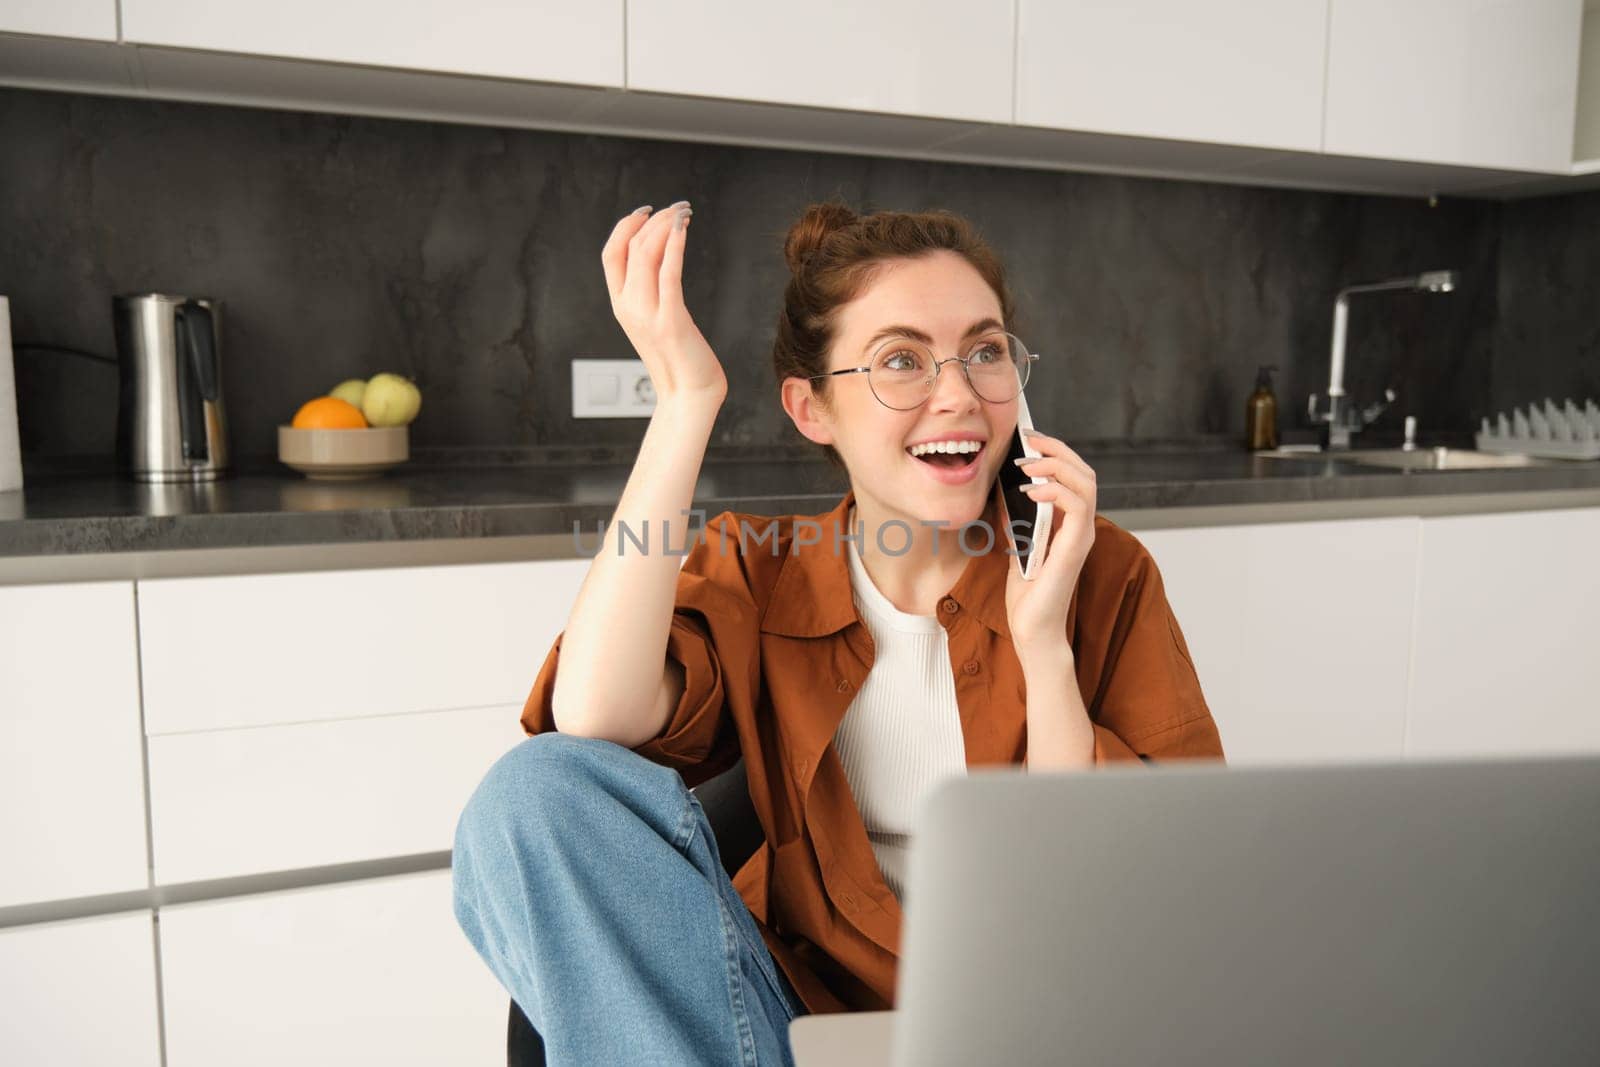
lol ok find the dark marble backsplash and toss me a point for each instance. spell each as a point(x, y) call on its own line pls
point(1547, 328)
point(468, 258)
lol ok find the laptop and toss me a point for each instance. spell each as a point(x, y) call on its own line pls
point(1190, 913)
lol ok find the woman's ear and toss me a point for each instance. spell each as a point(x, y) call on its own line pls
point(811, 416)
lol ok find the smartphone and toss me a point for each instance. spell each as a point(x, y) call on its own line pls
point(1029, 518)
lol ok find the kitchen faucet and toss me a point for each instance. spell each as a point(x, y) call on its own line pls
point(1343, 419)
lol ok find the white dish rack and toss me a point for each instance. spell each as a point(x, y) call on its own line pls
point(1567, 432)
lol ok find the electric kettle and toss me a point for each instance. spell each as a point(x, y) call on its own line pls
point(170, 421)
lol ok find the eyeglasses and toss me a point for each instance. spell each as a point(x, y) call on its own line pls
point(902, 372)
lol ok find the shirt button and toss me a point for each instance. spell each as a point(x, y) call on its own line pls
point(971, 666)
point(949, 606)
point(844, 684)
point(848, 900)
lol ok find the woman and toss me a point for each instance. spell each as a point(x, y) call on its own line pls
point(850, 658)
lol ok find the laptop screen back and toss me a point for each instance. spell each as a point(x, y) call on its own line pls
point(1393, 913)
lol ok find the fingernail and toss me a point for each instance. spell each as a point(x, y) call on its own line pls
point(1020, 460)
point(680, 203)
point(677, 223)
point(640, 210)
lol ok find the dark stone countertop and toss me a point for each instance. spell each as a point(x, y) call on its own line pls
point(83, 506)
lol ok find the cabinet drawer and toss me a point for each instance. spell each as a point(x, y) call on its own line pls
point(81, 992)
point(71, 769)
point(363, 972)
point(233, 802)
point(256, 650)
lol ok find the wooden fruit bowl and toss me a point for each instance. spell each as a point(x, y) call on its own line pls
point(343, 455)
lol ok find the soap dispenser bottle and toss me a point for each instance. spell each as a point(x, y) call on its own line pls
point(1261, 413)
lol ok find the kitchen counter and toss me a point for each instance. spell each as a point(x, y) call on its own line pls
point(537, 497)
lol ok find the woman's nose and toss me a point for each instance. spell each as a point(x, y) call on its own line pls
point(951, 390)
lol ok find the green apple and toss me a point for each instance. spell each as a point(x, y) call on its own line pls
point(351, 391)
point(390, 400)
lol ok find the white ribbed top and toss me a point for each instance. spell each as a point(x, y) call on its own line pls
point(902, 732)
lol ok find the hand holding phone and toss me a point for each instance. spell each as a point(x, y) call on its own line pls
point(1027, 521)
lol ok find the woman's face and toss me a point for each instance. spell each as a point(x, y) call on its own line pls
point(942, 296)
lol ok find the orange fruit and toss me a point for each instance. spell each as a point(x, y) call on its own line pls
point(329, 413)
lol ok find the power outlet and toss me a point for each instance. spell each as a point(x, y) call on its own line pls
point(611, 389)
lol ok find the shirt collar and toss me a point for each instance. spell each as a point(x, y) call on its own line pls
point(812, 595)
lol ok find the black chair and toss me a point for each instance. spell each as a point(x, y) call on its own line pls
point(726, 799)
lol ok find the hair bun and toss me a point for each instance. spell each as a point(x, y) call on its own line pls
point(812, 229)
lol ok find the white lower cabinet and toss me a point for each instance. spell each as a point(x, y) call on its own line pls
point(1506, 659)
point(361, 972)
point(1300, 633)
point(80, 993)
point(1427, 637)
point(234, 802)
point(228, 651)
point(71, 765)
point(281, 737)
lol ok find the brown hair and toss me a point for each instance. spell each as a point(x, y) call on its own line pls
point(833, 256)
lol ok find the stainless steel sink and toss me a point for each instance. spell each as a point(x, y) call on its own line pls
point(1426, 459)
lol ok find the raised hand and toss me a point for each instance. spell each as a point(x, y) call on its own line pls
point(643, 262)
point(626, 601)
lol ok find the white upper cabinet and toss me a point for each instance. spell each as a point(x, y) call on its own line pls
point(1586, 134)
point(1244, 72)
point(94, 20)
point(938, 58)
point(1482, 83)
point(574, 41)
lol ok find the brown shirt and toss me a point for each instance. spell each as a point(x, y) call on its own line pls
point(773, 653)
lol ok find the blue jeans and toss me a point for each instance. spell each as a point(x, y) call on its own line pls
point(588, 879)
